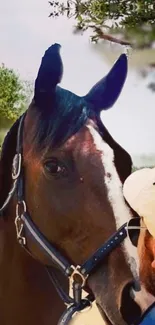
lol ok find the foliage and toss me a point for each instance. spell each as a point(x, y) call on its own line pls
point(14, 95)
point(135, 168)
point(135, 20)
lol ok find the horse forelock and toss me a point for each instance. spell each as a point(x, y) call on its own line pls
point(53, 127)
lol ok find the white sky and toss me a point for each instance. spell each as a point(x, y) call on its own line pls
point(26, 32)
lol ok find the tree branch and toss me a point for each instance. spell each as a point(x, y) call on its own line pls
point(108, 37)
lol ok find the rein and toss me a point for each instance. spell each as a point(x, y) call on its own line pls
point(76, 274)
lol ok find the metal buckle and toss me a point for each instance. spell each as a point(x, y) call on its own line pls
point(20, 209)
point(77, 273)
point(16, 166)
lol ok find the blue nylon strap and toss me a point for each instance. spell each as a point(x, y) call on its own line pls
point(65, 297)
point(67, 315)
point(60, 261)
point(104, 250)
point(69, 312)
point(51, 251)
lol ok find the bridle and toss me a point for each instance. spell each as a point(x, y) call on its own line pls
point(78, 274)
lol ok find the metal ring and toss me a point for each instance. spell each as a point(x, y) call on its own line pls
point(18, 207)
point(19, 230)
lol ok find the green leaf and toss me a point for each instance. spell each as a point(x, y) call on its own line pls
point(14, 95)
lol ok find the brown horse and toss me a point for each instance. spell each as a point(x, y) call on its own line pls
point(68, 175)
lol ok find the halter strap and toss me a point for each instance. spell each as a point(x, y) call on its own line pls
point(62, 263)
point(9, 197)
point(16, 165)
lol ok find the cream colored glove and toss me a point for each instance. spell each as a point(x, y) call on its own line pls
point(139, 191)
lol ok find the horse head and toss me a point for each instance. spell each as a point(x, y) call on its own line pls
point(73, 176)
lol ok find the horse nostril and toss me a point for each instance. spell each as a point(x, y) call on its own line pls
point(128, 303)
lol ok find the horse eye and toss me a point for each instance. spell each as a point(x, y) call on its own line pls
point(54, 167)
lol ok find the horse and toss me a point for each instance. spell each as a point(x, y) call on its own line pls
point(62, 206)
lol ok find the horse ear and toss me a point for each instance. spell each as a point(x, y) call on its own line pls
point(105, 93)
point(49, 75)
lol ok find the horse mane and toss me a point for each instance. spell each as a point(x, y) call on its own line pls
point(122, 158)
point(6, 158)
point(10, 139)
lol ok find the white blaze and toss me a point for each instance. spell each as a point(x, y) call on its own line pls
point(115, 194)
